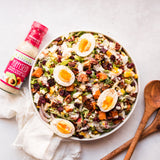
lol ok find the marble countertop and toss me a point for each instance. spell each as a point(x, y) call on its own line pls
point(134, 24)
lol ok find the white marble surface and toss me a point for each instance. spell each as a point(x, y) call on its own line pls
point(135, 24)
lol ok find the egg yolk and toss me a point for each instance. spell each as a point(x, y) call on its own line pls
point(115, 70)
point(64, 75)
point(63, 127)
point(84, 45)
point(107, 102)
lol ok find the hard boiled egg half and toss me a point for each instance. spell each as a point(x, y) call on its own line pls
point(62, 127)
point(107, 100)
point(63, 75)
point(85, 45)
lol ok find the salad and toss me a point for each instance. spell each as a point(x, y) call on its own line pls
point(86, 79)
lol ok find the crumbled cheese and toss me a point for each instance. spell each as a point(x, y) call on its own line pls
point(43, 79)
point(124, 59)
point(122, 114)
point(77, 94)
point(98, 67)
point(105, 44)
point(53, 48)
point(80, 67)
point(130, 89)
point(89, 96)
point(82, 87)
point(41, 56)
point(78, 101)
point(59, 98)
point(112, 45)
point(95, 88)
point(74, 116)
point(36, 98)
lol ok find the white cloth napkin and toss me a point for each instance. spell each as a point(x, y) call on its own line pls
point(34, 137)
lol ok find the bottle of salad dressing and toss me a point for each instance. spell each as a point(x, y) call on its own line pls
point(21, 62)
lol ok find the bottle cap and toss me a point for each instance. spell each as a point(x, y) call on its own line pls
point(36, 34)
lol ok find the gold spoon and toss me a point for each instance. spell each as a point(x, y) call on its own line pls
point(152, 103)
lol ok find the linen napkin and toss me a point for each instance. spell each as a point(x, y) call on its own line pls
point(35, 137)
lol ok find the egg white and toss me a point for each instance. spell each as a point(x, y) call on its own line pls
point(91, 39)
point(56, 71)
point(56, 131)
point(108, 92)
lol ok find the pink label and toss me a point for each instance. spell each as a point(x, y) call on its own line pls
point(17, 69)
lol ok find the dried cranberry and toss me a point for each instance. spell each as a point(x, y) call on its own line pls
point(62, 92)
point(113, 58)
point(59, 58)
point(60, 109)
point(59, 52)
point(42, 100)
point(120, 118)
point(48, 100)
point(130, 65)
point(58, 39)
point(133, 84)
point(88, 72)
point(96, 119)
point(77, 105)
point(103, 50)
point(89, 89)
point(36, 86)
point(134, 95)
point(80, 136)
point(109, 66)
point(51, 82)
point(44, 62)
point(66, 93)
point(119, 77)
point(72, 57)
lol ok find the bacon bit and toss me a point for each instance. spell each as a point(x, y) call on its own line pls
point(93, 61)
point(102, 76)
point(82, 78)
point(75, 70)
point(98, 57)
point(114, 114)
point(68, 109)
point(88, 105)
point(117, 121)
point(68, 99)
point(87, 65)
point(71, 64)
point(105, 87)
point(94, 105)
point(102, 115)
point(70, 88)
point(84, 98)
point(97, 94)
point(37, 73)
